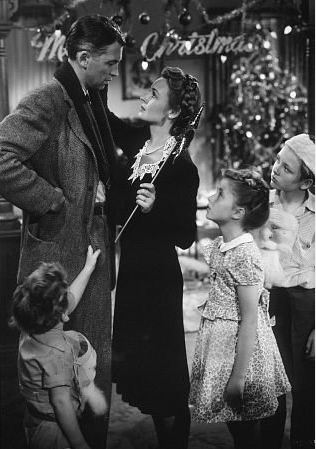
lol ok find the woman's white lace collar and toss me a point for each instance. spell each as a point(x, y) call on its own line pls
point(139, 171)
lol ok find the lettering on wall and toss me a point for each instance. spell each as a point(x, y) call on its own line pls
point(200, 44)
point(52, 47)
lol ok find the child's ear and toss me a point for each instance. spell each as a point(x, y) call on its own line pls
point(238, 213)
point(306, 184)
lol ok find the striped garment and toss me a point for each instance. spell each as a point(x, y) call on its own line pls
point(299, 266)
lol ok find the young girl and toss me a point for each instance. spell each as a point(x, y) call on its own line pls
point(237, 371)
point(55, 368)
point(293, 303)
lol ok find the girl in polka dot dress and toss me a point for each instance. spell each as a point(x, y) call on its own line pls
point(237, 372)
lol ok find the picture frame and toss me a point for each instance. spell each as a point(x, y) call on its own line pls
point(135, 80)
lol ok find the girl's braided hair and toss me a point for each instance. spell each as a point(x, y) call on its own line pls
point(40, 301)
point(252, 193)
point(184, 96)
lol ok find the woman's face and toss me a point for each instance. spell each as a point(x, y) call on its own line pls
point(154, 107)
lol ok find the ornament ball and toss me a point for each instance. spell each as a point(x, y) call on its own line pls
point(185, 17)
point(144, 18)
point(130, 41)
point(118, 20)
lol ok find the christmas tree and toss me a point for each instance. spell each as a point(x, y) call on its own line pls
point(265, 106)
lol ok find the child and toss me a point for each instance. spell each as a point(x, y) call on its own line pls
point(237, 371)
point(56, 368)
point(293, 303)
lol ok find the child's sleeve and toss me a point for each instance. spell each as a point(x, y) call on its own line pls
point(58, 370)
point(246, 269)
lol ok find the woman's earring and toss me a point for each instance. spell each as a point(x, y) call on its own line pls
point(65, 317)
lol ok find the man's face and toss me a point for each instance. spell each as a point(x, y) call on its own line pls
point(103, 66)
point(286, 171)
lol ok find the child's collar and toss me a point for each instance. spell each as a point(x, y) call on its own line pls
point(309, 203)
point(243, 238)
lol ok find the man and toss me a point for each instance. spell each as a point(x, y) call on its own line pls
point(57, 158)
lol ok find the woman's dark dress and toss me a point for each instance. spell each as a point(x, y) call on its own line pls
point(149, 356)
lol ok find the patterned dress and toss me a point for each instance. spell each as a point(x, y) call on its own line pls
point(237, 262)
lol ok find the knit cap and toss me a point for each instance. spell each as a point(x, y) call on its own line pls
point(304, 149)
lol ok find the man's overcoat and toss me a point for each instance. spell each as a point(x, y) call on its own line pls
point(43, 146)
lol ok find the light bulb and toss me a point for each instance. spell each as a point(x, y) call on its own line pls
point(188, 45)
point(266, 45)
point(258, 26)
point(145, 64)
point(274, 34)
point(223, 58)
point(249, 134)
point(293, 94)
point(258, 117)
point(57, 33)
point(287, 29)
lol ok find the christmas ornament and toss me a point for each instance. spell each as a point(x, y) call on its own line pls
point(185, 17)
point(130, 41)
point(144, 18)
point(118, 20)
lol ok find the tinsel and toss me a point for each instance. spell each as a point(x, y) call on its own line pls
point(225, 17)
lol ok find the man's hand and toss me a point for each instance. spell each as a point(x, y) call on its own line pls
point(310, 346)
point(234, 393)
point(57, 205)
point(145, 197)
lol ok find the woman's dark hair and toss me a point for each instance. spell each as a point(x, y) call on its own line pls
point(40, 301)
point(92, 33)
point(252, 193)
point(184, 96)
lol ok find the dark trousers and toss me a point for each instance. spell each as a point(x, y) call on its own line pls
point(294, 310)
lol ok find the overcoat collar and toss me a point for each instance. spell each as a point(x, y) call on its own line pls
point(93, 120)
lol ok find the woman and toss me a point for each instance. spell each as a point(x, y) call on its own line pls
point(149, 356)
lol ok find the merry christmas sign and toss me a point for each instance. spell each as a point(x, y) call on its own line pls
point(51, 47)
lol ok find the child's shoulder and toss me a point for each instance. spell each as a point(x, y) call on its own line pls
point(210, 247)
point(247, 253)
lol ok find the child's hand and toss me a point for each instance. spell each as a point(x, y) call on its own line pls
point(145, 197)
point(234, 393)
point(91, 259)
point(310, 346)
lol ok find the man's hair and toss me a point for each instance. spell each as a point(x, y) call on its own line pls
point(92, 33)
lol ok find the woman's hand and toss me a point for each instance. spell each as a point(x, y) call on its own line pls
point(234, 393)
point(91, 259)
point(310, 346)
point(145, 197)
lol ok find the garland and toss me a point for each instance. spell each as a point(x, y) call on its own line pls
point(225, 17)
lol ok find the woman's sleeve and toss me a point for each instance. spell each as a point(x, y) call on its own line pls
point(175, 205)
point(128, 137)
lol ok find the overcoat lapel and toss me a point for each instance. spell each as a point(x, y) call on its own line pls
point(76, 127)
point(91, 128)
